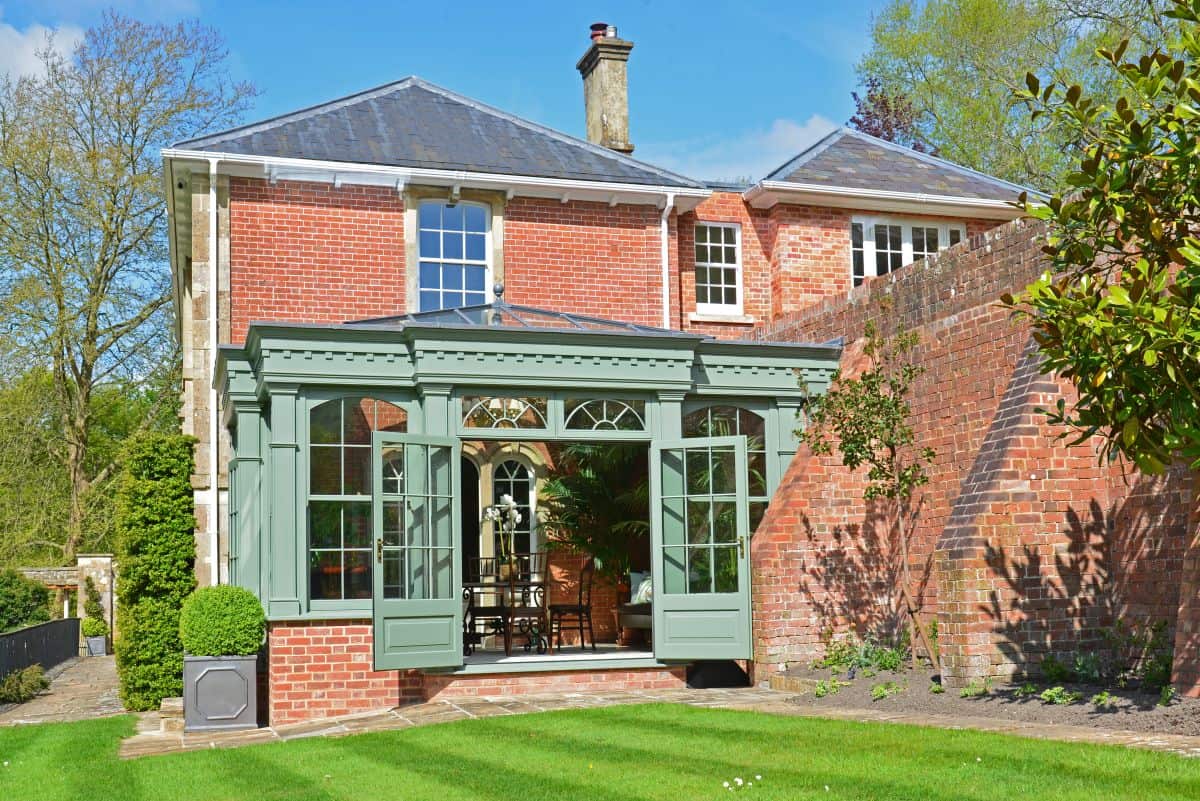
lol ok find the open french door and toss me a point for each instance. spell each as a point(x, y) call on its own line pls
point(417, 592)
point(699, 545)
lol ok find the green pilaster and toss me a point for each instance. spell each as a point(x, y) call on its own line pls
point(286, 535)
point(245, 474)
point(438, 418)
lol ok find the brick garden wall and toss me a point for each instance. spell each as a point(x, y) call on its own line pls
point(1024, 546)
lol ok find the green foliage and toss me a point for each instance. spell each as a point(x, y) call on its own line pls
point(867, 656)
point(955, 63)
point(1059, 696)
point(94, 627)
point(885, 690)
point(22, 685)
point(868, 417)
point(1104, 699)
point(23, 601)
point(222, 621)
point(93, 605)
point(597, 501)
point(1118, 312)
point(156, 550)
point(936, 688)
point(1025, 690)
point(1054, 670)
point(1166, 695)
point(1088, 668)
point(829, 687)
point(976, 688)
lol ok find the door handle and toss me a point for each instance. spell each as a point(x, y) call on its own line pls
point(741, 547)
point(379, 550)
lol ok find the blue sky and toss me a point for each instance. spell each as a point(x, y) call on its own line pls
point(717, 89)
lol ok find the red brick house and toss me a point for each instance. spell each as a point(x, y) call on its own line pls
point(407, 273)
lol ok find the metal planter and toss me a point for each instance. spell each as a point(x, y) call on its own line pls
point(220, 692)
point(97, 646)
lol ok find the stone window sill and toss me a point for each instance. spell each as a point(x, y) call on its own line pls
point(734, 319)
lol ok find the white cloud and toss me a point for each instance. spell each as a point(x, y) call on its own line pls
point(749, 154)
point(19, 49)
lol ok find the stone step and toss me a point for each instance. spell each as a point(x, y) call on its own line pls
point(170, 713)
point(792, 684)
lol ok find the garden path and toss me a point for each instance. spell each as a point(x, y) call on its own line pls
point(86, 688)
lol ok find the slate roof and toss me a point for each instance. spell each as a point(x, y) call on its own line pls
point(854, 160)
point(413, 123)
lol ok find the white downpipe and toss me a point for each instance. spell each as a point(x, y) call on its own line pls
point(214, 511)
point(664, 234)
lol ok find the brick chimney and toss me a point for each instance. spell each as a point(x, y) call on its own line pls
point(606, 88)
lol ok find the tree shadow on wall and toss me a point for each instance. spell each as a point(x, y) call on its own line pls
point(851, 583)
point(1055, 596)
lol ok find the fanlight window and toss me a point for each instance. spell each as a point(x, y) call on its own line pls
point(339, 490)
point(724, 421)
point(604, 414)
point(501, 412)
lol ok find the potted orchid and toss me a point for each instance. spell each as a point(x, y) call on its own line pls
point(507, 516)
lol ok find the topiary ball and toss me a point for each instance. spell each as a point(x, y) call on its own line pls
point(221, 621)
point(94, 627)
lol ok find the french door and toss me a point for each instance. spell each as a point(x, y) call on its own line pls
point(417, 592)
point(699, 544)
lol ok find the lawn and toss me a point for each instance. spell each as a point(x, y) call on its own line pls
point(624, 753)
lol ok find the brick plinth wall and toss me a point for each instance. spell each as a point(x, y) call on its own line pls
point(1024, 547)
point(442, 686)
point(323, 669)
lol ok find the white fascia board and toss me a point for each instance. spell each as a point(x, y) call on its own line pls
point(765, 194)
point(382, 175)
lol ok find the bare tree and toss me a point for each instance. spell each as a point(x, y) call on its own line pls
point(84, 285)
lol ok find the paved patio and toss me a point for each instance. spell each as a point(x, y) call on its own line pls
point(151, 740)
point(85, 688)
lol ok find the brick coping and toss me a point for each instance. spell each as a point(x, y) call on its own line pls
point(151, 740)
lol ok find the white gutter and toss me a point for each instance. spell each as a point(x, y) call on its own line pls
point(666, 266)
point(766, 193)
point(384, 175)
point(214, 512)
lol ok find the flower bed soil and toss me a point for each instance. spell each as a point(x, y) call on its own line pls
point(1131, 710)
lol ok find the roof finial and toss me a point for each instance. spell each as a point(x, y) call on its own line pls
point(498, 290)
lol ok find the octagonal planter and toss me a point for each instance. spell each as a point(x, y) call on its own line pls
point(220, 692)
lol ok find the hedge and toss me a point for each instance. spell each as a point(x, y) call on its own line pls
point(23, 601)
point(222, 621)
point(156, 550)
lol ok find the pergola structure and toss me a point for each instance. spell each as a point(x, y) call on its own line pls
point(497, 372)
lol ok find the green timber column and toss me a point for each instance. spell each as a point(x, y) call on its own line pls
point(782, 422)
point(438, 419)
point(246, 546)
point(283, 592)
point(669, 418)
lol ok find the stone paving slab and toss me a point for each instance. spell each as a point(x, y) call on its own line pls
point(756, 699)
point(85, 689)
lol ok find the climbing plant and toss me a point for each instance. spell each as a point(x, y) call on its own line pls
point(867, 420)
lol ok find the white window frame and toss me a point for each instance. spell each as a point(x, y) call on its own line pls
point(722, 309)
point(906, 245)
point(486, 262)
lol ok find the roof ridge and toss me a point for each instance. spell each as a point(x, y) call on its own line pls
point(937, 161)
point(548, 131)
point(299, 114)
point(810, 152)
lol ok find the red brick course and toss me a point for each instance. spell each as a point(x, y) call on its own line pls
point(1024, 547)
point(309, 252)
point(319, 669)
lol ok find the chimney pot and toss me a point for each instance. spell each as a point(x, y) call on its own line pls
point(599, 30)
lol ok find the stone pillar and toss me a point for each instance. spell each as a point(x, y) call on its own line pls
point(102, 570)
